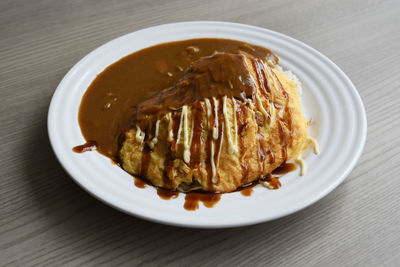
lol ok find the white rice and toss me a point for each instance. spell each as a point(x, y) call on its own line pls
point(291, 76)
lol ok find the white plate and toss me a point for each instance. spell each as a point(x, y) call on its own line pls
point(329, 98)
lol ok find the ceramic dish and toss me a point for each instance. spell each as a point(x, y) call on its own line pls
point(328, 97)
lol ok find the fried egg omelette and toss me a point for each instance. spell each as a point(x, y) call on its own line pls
point(230, 120)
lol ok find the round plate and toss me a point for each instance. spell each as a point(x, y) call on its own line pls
point(329, 99)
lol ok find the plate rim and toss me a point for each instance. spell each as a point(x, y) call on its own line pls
point(349, 167)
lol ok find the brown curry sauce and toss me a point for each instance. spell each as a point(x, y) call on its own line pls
point(114, 97)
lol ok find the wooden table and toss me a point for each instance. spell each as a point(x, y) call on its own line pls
point(46, 219)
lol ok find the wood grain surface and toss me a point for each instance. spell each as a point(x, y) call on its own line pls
point(48, 220)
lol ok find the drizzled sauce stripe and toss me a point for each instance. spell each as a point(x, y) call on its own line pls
point(213, 169)
point(211, 172)
point(196, 138)
point(209, 111)
point(155, 138)
point(258, 67)
point(241, 114)
point(235, 128)
point(269, 77)
point(283, 139)
point(220, 144)
point(186, 151)
point(170, 131)
point(272, 112)
point(215, 127)
point(178, 137)
point(191, 130)
point(231, 146)
point(168, 174)
point(251, 106)
point(314, 143)
point(263, 111)
point(303, 167)
point(139, 135)
point(279, 83)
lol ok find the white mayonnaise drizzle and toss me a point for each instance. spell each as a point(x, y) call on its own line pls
point(191, 132)
point(231, 146)
point(214, 165)
point(215, 129)
point(220, 144)
point(303, 167)
point(272, 111)
point(271, 107)
point(186, 148)
point(213, 169)
point(235, 122)
point(261, 107)
point(267, 185)
point(178, 138)
point(314, 143)
point(299, 160)
point(139, 135)
point(208, 106)
point(154, 141)
point(250, 103)
point(170, 131)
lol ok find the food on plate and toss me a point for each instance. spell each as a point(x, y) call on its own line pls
point(205, 114)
